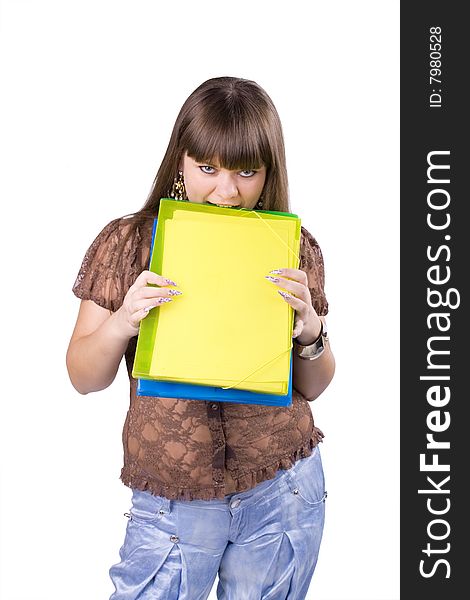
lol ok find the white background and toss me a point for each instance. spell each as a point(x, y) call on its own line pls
point(90, 92)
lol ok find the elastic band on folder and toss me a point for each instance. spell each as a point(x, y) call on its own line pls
point(297, 258)
point(256, 370)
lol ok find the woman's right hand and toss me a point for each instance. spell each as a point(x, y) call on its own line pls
point(141, 298)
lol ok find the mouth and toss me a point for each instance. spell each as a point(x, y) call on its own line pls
point(224, 205)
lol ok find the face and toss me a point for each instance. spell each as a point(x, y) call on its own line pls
point(211, 184)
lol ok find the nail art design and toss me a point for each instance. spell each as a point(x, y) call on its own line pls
point(170, 282)
point(276, 271)
point(175, 293)
point(273, 279)
point(285, 295)
point(158, 302)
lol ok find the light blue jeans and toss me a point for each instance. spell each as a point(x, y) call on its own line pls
point(263, 543)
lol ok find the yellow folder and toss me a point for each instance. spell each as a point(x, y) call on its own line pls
point(230, 328)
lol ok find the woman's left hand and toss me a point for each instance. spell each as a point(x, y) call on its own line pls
point(307, 324)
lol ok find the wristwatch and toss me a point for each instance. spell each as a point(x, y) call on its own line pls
point(314, 350)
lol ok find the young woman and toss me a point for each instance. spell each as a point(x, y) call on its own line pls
point(218, 488)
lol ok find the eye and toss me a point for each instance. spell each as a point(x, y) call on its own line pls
point(207, 169)
point(247, 173)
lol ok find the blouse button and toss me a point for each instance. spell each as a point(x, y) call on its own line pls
point(174, 538)
point(235, 503)
point(214, 406)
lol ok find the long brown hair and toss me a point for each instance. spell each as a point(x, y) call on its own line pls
point(234, 122)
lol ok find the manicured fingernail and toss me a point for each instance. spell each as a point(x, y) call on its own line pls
point(273, 279)
point(175, 292)
point(158, 301)
point(170, 282)
point(284, 294)
point(276, 271)
point(147, 309)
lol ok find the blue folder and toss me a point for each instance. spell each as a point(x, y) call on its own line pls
point(169, 389)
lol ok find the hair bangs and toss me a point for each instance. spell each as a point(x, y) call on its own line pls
point(231, 145)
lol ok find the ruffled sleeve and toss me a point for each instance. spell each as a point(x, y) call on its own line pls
point(111, 265)
point(311, 261)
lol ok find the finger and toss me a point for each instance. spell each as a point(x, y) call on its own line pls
point(149, 277)
point(297, 304)
point(141, 313)
point(297, 289)
point(148, 292)
point(294, 274)
point(146, 305)
point(298, 328)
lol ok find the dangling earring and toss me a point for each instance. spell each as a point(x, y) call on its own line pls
point(259, 204)
point(178, 191)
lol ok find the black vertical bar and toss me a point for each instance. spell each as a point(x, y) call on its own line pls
point(435, 268)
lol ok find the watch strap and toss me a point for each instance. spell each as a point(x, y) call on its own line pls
point(313, 350)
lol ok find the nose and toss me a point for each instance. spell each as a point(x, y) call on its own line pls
point(226, 191)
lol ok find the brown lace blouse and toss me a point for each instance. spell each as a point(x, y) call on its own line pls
point(196, 449)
